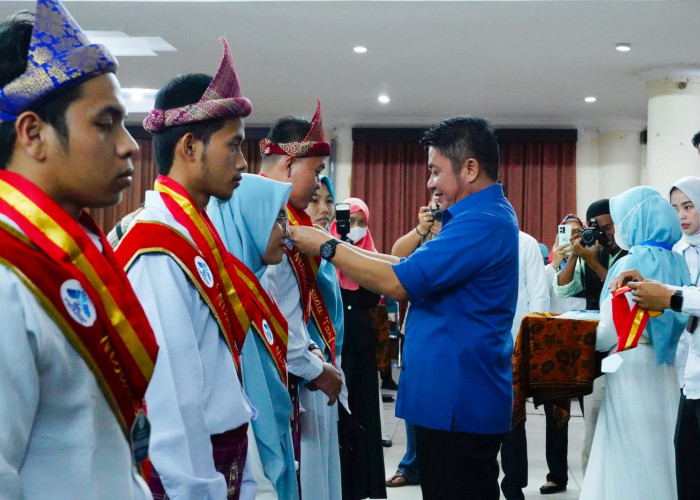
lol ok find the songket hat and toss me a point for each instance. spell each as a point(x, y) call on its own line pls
point(60, 56)
point(314, 144)
point(221, 99)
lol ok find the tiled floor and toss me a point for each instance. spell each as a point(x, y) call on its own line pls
point(535, 428)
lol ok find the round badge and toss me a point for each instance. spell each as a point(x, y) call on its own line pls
point(267, 331)
point(77, 303)
point(204, 271)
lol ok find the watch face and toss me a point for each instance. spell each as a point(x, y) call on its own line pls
point(327, 250)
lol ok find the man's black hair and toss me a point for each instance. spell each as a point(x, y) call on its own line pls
point(696, 139)
point(181, 91)
point(289, 129)
point(15, 35)
point(465, 137)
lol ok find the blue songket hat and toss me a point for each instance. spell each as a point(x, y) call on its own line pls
point(60, 56)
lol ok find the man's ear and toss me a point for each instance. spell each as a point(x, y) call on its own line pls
point(287, 166)
point(187, 148)
point(32, 134)
point(470, 170)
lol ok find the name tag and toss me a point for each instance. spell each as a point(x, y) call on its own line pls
point(140, 436)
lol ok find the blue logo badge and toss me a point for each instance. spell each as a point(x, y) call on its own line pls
point(267, 331)
point(289, 243)
point(77, 303)
point(204, 271)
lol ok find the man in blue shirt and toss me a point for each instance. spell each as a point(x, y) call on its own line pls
point(456, 384)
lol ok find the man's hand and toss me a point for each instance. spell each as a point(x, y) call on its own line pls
point(651, 295)
point(308, 239)
point(588, 254)
point(425, 219)
point(329, 382)
point(624, 278)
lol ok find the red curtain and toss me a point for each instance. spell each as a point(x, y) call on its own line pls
point(539, 176)
point(390, 176)
point(389, 172)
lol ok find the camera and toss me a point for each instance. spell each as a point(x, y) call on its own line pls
point(592, 234)
point(342, 220)
point(437, 214)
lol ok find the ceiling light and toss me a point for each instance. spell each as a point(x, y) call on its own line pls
point(121, 44)
point(384, 99)
point(139, 100)
point(360, 49)
point(623, 47)
point(590, 99)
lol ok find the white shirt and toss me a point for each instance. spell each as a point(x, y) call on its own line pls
point(533, 292)
point(284, 289)
point(195, 391)
point(58, 436)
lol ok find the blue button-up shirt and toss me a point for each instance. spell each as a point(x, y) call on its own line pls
point(463, 287)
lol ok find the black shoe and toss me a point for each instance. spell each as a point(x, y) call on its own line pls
point(548, 489)
point(386, 442)
point(389, 385)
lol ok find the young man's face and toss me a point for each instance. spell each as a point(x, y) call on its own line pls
point(223, 161)
point(304, 174)
point(96, 165)
point(605, 223)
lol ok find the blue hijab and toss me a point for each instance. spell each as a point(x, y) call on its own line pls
point(245, 222)
point(648, 225)
point(327, 280)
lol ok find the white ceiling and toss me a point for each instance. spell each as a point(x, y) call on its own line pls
point(520, 63)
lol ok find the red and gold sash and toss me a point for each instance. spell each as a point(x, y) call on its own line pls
point(246, 306)
point(629, 323)
point(306, 269)
point(152, 237)
point(84, 290)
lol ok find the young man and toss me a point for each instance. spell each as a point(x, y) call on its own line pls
point(191, 291)
point(76, 350)
point(295, 151)
point(457, 389)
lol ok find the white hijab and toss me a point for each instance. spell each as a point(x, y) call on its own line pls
point(690, 186)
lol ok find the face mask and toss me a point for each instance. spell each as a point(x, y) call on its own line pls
point(357, 233)
point(620, 240)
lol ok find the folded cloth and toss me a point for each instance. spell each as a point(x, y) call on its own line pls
point(554, 360)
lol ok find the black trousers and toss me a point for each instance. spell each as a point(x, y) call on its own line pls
point(457, 465)
point(556, 447)
point(514, 463)
point(687, 441)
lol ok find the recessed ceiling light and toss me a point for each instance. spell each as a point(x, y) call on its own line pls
point(623, 47)
point(360, 49)
point(590, 99)
point(139, 100)
point(121, 44)
point(384, 99)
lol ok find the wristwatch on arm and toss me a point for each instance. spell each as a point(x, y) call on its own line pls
point(328, 249)
point(677, 301)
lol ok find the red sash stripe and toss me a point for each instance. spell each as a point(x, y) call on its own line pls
point(306, 269)
point(119, 347)
point(629, 323)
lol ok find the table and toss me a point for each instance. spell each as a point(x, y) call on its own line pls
point(554, 359)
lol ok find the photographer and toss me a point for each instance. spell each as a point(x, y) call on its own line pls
point(588, 266)
point(429, 224)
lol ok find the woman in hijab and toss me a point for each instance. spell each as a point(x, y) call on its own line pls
point(685, 196)
point(323, 427)
point(361, 453)
point(254, 227)
point(632, 454)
